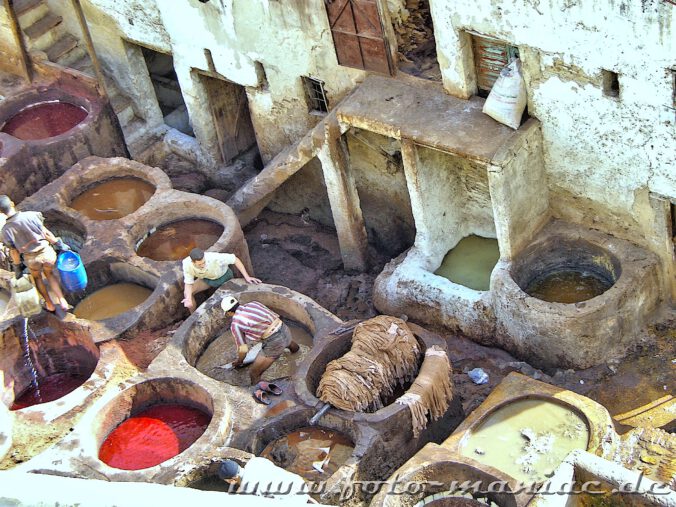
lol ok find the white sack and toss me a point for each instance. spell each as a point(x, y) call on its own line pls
point(507, 99)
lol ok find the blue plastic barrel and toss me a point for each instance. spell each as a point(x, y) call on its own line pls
point(72, 271)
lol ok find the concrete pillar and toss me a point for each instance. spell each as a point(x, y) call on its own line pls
point(409, 159)
point(344, 199)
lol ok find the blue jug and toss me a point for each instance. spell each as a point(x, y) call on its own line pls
point(72, 271)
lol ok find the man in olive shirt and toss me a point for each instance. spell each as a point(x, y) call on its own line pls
point(202, 270)
point(27, 238)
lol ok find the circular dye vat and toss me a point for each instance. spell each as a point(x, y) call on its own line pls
point(44, 120)
point(51, 388)
point(174, 241)
point(313, 453)
point(568, 286)
point(152, 436)
point(114, 198)
point(111, 301)
point(527, 439)
point(212, 483)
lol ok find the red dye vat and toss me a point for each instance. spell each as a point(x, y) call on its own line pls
point(51, 388)
point(153, 436)
point(42, 121)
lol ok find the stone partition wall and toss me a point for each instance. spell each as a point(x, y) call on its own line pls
point(27, 166)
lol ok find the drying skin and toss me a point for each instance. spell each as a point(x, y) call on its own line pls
point(432, 390)
point(384, 354)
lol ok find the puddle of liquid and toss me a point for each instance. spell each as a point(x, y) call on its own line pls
point(111, 301)
point(4, 300)
point(211, 483)
point(471, 262)
point(173, 241)
point(313, 453)
point(568, 287)
point(222, 350)
point(113, 199)
point(43, 121)
point(527, 439)
point(52, 388)
point(153, 436)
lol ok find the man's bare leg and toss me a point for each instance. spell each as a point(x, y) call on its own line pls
point(260, 364)
point(48, 270)
point(40, 286)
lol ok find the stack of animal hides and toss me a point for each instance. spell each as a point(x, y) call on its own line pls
point(432, 390)
point(384, 354)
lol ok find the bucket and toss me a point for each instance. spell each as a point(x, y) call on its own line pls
point(72, 271)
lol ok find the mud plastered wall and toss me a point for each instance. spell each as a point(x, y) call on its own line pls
point(604, 155)
point(287, 39)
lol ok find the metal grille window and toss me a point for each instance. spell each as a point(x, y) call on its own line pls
point(315, 94)
point(490, 57)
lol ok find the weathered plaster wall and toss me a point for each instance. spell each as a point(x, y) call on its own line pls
point(603, 155)
point(378, 171)
point(287, 39)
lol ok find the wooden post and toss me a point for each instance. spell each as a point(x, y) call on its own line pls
point(90, 46)
point(18, 38)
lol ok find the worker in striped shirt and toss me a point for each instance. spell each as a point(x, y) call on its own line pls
point(253, 322)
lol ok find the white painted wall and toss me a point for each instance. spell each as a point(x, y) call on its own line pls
point(596, 148)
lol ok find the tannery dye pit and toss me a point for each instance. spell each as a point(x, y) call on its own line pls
point(111, 301)
point(152, 436)
point(42, 121)
point(568, 286)
point(471, 262)
point(313, 453)
point(173, 241)
point(527, 439)
point(48, 389)
point(113, 199)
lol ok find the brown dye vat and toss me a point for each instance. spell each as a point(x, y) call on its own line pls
point(311, 452)
point(113, 199)
point(172, 242)
point(42, 121)
point(568, 286)
point(111, 301)
point(222, 351)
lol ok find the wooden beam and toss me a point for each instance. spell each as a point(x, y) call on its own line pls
point(24, 57)
point(90, 46)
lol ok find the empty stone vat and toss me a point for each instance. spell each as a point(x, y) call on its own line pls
point(62, 354)
point(207, 343)
point(73, 123)
point(152, 423)
point(71, 231)
point(600, 325)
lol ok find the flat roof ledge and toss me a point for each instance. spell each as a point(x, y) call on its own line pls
point(427, 116)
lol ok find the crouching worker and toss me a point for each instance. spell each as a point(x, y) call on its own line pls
point(254, 322)
point(27, 238)
point(202, 270)
point(262, 477)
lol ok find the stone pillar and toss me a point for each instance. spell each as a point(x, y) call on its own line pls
point(342, 192)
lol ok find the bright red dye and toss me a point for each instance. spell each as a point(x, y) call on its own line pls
point(44, 120)
point(51, 388)
point(153, 436)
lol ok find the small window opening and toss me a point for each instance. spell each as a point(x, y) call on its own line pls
point(490, 57)
point(611, 84)
point(315, 94)
point(673, 88)
point(262, 76)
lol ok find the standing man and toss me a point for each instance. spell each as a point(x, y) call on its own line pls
point(27, 238)
point(202, 270)
point(253, 322)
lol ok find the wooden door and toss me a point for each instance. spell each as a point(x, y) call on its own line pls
point(232, 120)
point(358, 35)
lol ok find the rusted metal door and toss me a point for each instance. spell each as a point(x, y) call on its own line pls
point(232, 121)
point(358, 35)
point(490, 57)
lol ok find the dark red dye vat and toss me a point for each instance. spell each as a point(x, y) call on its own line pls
point(51, 388)
point(153, 436)
point(42, 121)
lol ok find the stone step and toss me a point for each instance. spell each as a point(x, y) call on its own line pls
point(30, 11)
point(61, 47)
point(45, 32)
point(134, 131)
point(83, 64)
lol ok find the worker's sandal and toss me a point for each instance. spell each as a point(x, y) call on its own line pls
point(269, 387)
point(260, 396)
